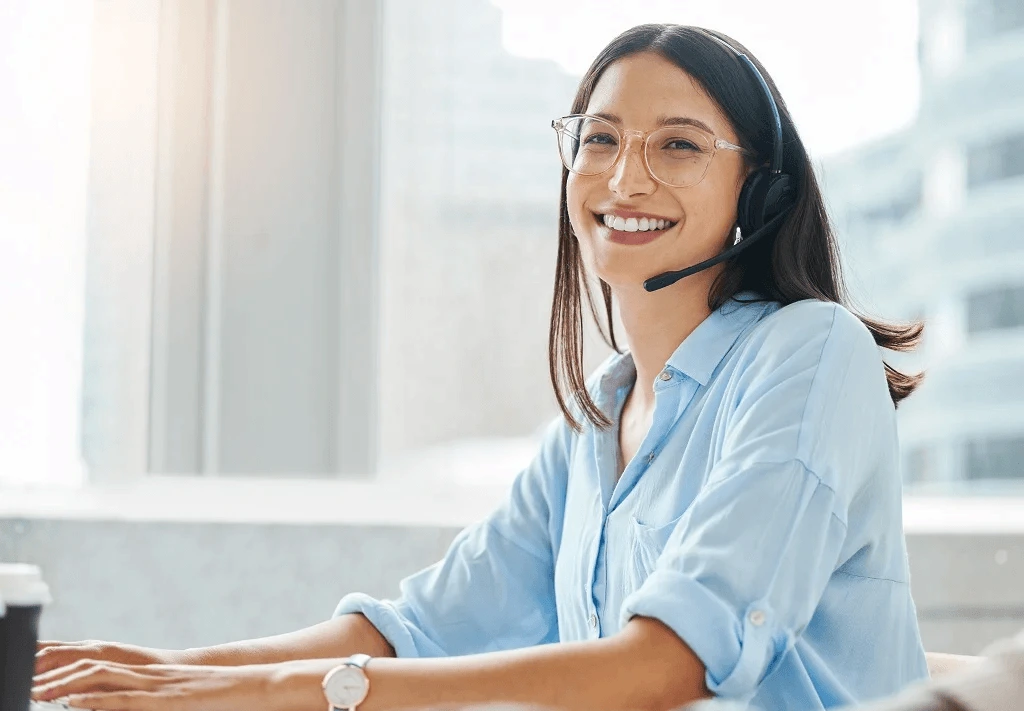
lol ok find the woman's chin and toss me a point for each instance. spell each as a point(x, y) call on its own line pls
point(622, 275)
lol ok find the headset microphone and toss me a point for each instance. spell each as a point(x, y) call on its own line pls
point(669, 278)
point(766, 197)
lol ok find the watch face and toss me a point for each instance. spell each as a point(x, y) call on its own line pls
point(345, 687)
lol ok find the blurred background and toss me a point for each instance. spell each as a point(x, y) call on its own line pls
point(266, 264)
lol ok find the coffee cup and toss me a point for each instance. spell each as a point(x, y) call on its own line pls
point(22, 596)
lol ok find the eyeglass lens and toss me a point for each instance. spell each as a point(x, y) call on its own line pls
point(676, 155)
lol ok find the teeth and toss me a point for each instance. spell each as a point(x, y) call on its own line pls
point(633, 224)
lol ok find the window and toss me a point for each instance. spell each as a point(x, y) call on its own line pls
point(986, 19)
point(994, 309)
point(995, 458)
point(918, 465)
point(300, 260)
point(997, 160)
point(469, 192)
point(44, 158)
point(900, 206)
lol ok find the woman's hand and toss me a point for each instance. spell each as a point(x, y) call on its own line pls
point(112, 686)
point(54, 655)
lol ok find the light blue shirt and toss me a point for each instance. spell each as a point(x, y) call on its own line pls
point(760, 519)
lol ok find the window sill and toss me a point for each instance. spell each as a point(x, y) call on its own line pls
point(963, 514)
point(431, 502)
point(258, 500)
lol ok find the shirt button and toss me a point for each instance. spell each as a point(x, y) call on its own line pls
point(650, 457)
point(665, 375)
point(592, 621)
point(756, 618)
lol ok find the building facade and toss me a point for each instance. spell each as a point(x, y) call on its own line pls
point(931, 222)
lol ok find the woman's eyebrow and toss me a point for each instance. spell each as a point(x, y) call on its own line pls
point(663, 121)
point(683, 121)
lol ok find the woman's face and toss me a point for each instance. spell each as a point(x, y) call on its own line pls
point(639, 92)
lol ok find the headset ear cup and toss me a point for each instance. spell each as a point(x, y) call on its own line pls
point(762, 197)
point(780, 197)
point(750, 209)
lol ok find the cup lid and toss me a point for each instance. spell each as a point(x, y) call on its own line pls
point(22, 584)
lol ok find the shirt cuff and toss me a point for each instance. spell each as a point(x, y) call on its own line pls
point(736, 651)
point(384, 615)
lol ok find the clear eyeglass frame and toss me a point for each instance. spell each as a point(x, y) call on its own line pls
point(717, 144)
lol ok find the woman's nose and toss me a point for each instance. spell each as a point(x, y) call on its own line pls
point(629, 174)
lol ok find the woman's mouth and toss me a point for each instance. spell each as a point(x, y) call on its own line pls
point(634, 230)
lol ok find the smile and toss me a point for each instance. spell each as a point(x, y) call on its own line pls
point(634, 230)
point(633, 224)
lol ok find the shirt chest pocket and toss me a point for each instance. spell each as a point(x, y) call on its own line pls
point(646, 545)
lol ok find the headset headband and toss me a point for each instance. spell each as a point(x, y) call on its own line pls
point(776, 163)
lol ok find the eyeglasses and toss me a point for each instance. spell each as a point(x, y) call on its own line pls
point(677, 156)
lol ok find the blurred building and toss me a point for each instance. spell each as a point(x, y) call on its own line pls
point(932, 225)
point(469, 215)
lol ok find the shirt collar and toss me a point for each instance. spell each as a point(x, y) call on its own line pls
point(699, 354)
point(703, 350)
point(618, 373)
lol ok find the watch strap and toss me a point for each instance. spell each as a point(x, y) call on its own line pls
point(359, 660)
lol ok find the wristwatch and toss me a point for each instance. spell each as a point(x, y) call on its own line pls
point(346, 686)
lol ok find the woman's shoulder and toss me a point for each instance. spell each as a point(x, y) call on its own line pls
point(806, 329)
point(819, 353)
point(813, 367)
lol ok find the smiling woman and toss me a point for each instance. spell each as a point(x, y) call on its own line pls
point(717, 511)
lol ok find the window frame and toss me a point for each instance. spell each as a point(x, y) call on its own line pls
point(154, 208)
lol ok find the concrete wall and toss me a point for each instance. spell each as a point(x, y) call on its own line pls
point(192, 584)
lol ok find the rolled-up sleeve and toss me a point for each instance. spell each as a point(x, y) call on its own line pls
point(494, 589)
point(737, 593)
point(748, 562)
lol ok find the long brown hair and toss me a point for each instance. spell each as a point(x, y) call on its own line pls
point(801, 262)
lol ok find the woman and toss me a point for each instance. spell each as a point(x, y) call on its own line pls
point(717, 512)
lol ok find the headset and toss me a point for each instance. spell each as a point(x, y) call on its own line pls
point(766, 197)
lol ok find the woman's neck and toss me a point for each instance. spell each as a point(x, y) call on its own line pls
point(655, 323)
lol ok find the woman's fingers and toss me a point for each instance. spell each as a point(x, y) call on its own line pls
point(90, 676)
point(60, 654)
point(64, 671)
point(47, 643)
point(164, 687)
point(123, 701)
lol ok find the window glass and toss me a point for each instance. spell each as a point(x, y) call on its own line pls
point(986, 19)
point(995, 458)
point(995, 160)
point(994, 309)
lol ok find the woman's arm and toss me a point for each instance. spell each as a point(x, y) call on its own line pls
point(342, 636)
point(339, 637)
point(645, 667)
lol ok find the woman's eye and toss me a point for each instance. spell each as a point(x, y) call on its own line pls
point(680, 144)
point(600, 139)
